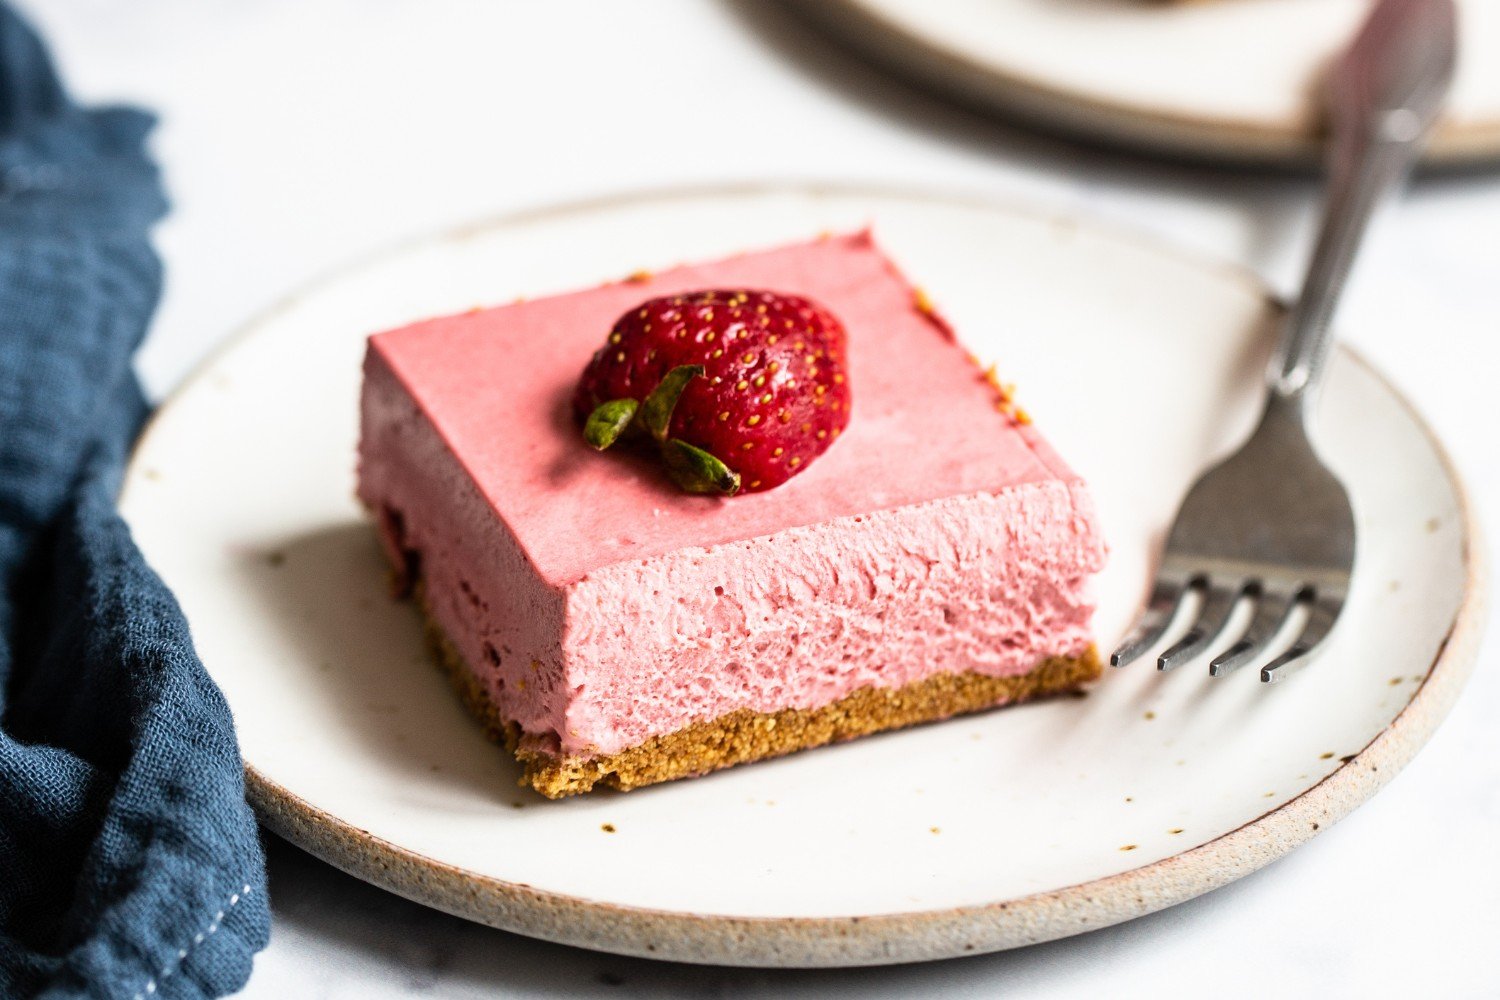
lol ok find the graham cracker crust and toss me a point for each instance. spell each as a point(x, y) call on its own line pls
point(744, 736)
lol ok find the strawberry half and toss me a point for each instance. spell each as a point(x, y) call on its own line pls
point(739, 390)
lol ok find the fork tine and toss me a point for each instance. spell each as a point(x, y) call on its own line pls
point(1321, 615)
point(1271, 611)
point(1166, 598)
point(1218, 602)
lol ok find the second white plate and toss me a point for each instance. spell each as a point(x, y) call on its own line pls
point(977, 834)
point(1232, 80)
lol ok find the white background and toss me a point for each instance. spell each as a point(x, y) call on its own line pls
point(296, 136)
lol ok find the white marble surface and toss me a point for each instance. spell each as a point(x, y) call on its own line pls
point(297, 136)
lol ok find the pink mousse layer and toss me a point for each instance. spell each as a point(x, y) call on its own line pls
point(600, 607)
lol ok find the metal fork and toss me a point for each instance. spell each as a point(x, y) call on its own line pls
point(1271, 523)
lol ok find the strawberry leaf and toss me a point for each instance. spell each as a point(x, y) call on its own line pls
point(608, 421)
point(697, 471)
point(656, 411)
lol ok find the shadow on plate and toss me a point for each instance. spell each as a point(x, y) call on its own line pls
point(366, 659)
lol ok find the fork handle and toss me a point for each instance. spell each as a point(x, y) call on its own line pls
point(1383, 96)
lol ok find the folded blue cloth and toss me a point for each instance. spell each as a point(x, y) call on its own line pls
point(129, 862)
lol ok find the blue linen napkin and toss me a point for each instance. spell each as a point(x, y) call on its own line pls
point(130, 865)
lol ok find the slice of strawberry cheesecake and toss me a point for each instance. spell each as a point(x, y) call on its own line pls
point(926, 554)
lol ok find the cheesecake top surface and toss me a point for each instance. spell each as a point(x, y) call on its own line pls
point(497, 384)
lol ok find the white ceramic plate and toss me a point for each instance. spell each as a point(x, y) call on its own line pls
point(977, 834)
point(1226, 79)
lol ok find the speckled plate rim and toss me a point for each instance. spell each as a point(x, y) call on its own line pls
point(1175, 133)
point(813, 942)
